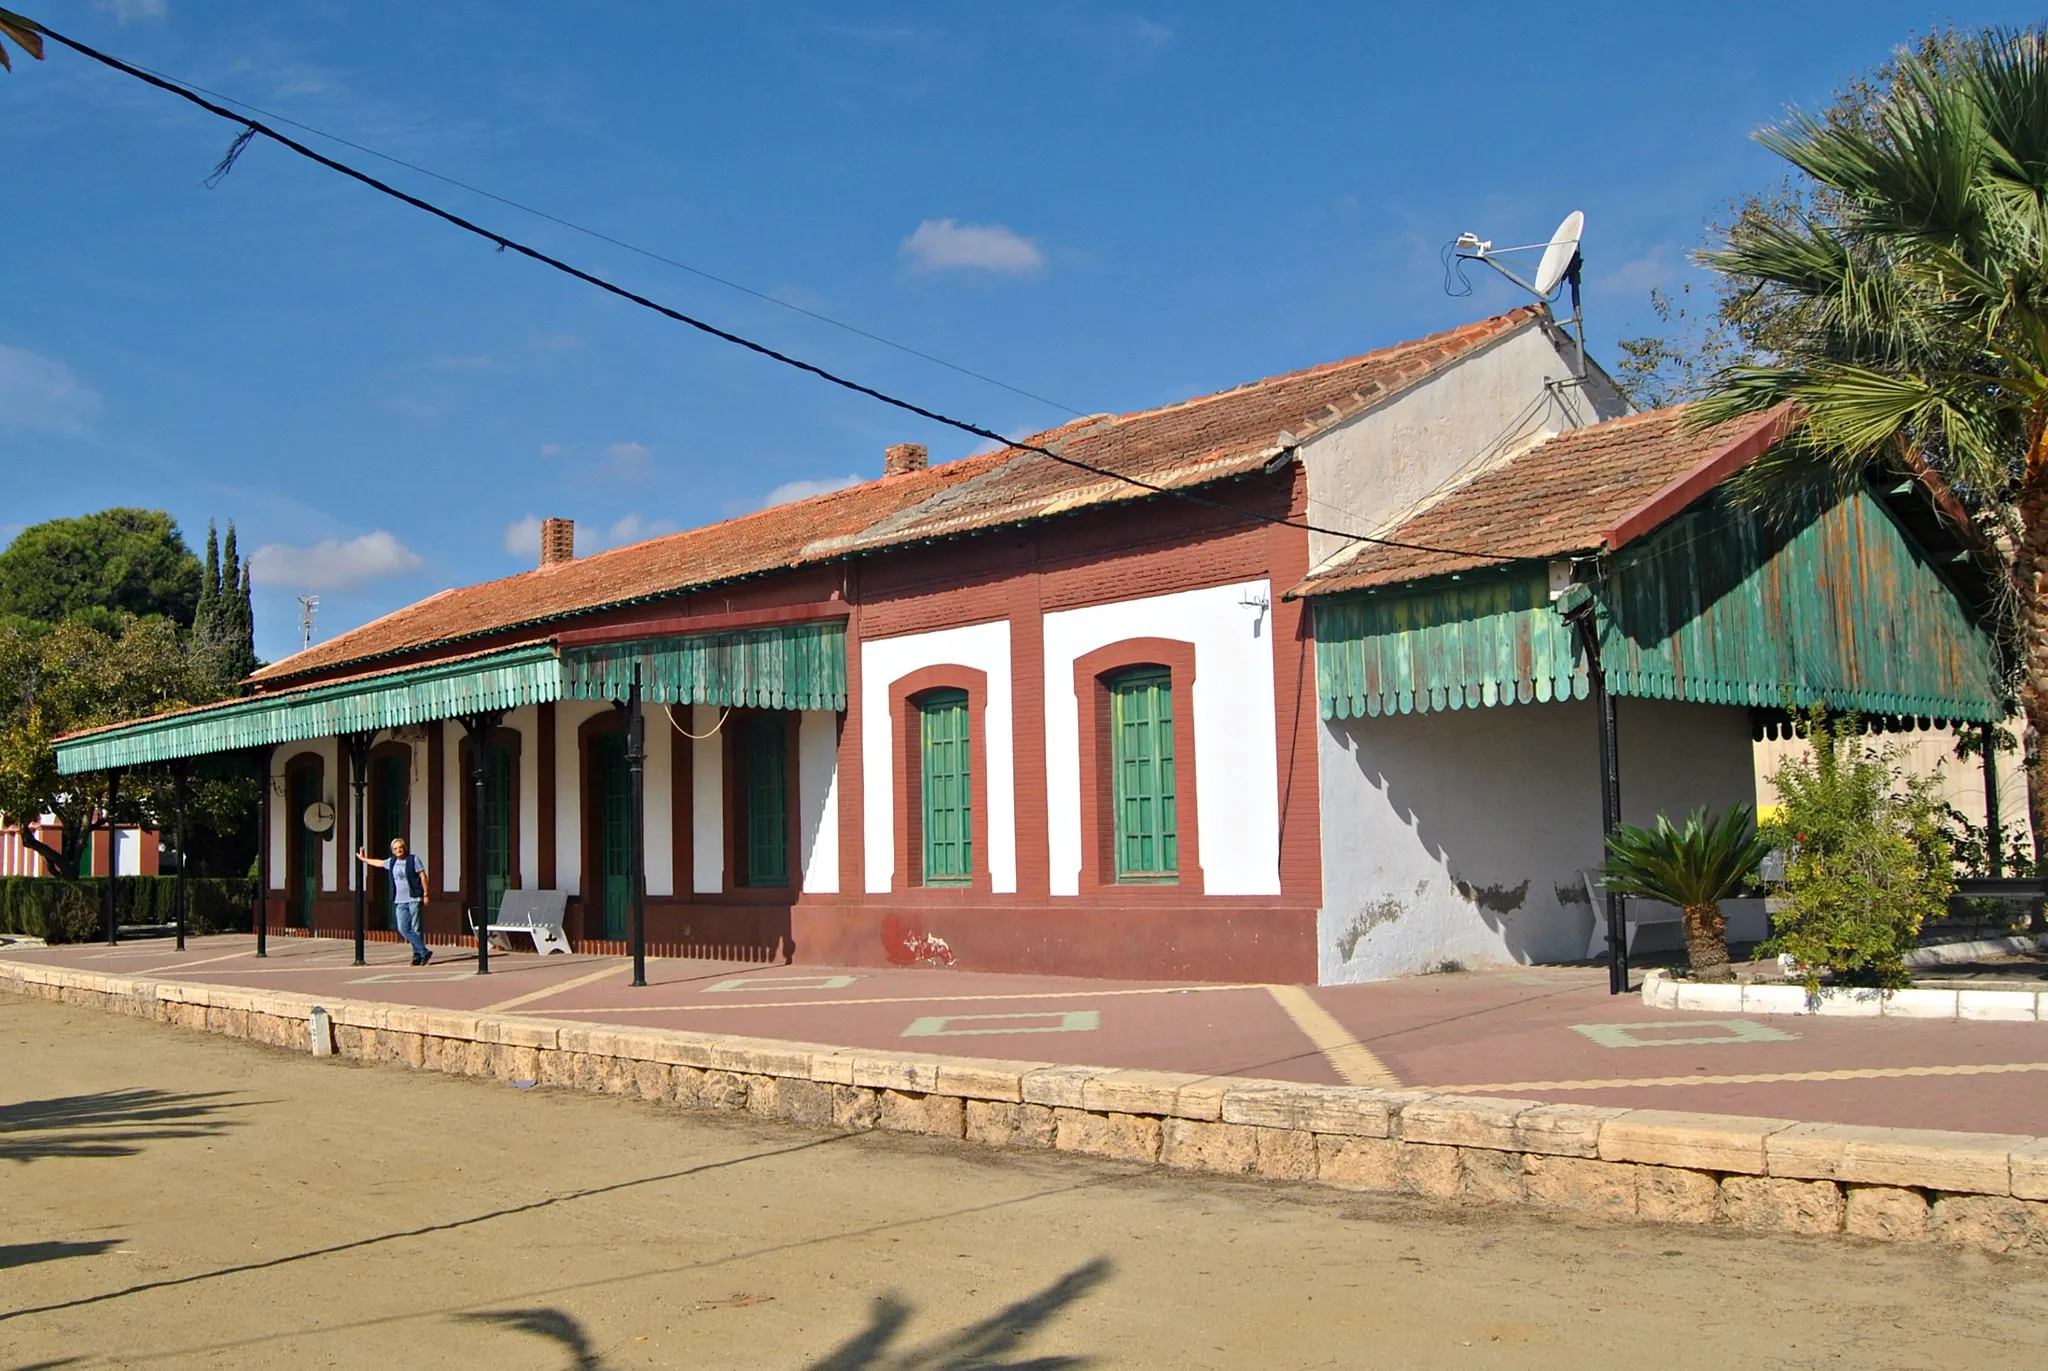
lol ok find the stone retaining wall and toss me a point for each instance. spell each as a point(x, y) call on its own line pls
point(1980, 1190)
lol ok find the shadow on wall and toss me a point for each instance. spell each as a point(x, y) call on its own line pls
point(113, 1123)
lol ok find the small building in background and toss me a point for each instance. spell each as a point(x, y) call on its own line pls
point(135, 850)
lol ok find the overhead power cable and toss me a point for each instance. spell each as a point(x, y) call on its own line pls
point(507, 244)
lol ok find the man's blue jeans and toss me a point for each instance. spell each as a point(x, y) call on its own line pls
point(408, 916)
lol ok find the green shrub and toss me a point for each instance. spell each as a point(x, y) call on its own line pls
point(1868, 862)
point(61, 911)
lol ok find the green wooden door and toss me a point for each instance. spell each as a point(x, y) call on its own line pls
point(389, 778)
point(1141, 743)
point(948, 792)
point(305, 793)
point(499, 773)
point(767, 749)
point(611, 785)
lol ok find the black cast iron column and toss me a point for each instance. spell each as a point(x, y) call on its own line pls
point(178, 777)
point(479, 727)
point(1586, 619)
point(260, 915)
point(113, 855)
point(359, 781)
point(636, 769)
point(1994, 841)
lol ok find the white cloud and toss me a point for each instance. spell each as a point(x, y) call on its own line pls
point(522, 538)
point(41, 394)
point(634, 529)
point(127, 11)
point(943, 245)
point(629, 457)
point(804, 490)
point(332, 564)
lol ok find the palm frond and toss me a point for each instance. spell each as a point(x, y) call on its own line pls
point(1703, 863)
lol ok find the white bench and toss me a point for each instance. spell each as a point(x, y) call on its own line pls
point(535, 913)
point(1634, 915)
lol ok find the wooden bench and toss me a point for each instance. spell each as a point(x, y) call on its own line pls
point(536, 914)
point(1634, 917)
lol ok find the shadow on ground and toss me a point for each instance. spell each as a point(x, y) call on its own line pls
point(113, 1123)
point(29, 1253)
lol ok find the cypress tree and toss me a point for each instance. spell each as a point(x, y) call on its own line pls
point(243, 638)
point(209, 588)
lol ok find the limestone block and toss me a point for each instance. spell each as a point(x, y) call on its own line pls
point(447, 1023)
point(1699, 1142)
point(1563, 1130)
point(1772, 1204)
point(1463, 1121)
point(348, 1039)
point(1000, 1123)
point(586, 1072)
point(1885, 1212)
point(1430, 1170)
point(1489, 1176)
point(684, 1083)
point(682, 1049)
point(912, 1112)
point(650, 1081)
point(1349, 1110)
point(896, 1073)
point(974, 1079)
point(1178, 1093)
point(1672, 1194)
point(834, 1068)
point(1123, 1137)
point(1058, 1086)
point(802, 1101)
point(2029, 1166)
point(519, 1063)
point(476, 1059)
point(855, 1107)
point(558, 1069)
point(1926, 1159)
point(757, 1057)
point(1228, 1149)
point(1580, 1184)
point(1995, 1223)
point(1285, 1154)
point(722, 1090)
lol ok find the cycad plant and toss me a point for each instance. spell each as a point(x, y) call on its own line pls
point(1694, 867)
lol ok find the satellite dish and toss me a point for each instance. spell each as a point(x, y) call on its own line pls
point(1557, 258)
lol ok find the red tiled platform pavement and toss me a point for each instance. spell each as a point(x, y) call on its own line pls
point(1548, 1033)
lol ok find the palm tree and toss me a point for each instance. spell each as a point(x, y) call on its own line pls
point(1694, 867)
point(1907, 298)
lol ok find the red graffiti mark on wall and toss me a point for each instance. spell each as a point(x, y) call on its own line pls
point(904, 945)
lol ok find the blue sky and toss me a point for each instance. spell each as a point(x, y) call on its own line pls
point(1112, 208)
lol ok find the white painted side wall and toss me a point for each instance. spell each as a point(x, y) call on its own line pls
point(454, 785)
point(418, 820)
point(817, 760)
point(1487, 405)
point(1237, 800)
point(526, 719)
point(659, 802)
point(1461, 835)
point(570, 716)
point(279, 820)
point(330, 773)
point(707, 802)
point(127, 852)
point(883, 662)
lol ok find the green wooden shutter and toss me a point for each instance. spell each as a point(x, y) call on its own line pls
point(305, 792)
point(767, 802)
point(498, 781)
point(614, 789)
point(1142, 781)
point(948, 788)
point(389, 778)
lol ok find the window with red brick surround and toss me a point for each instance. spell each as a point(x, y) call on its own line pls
point(908, 772)
point(1093, 673)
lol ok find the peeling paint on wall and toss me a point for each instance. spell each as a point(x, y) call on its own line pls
point(1572, 892)
point(1494, 899)
point(1375, 913)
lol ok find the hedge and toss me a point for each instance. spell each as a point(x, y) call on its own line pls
point(61, 911)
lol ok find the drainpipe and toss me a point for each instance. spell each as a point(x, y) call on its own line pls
point(1580, 608)
point(359, 781)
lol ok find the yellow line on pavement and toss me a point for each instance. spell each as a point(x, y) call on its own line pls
point(905, 999)
point(532, 995)
point(247, 954)
point(1856, 1073)
point(1352, 1060)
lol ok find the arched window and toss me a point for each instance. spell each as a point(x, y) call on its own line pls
point(1144, 796)
point(946, 757)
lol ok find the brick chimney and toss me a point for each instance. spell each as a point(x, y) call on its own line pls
point(904, 458)
point(557, 541)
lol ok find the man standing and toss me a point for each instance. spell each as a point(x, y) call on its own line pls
point(408, 889)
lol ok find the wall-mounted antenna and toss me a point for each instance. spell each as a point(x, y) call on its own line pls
point(1561, 262)
point(307, 604)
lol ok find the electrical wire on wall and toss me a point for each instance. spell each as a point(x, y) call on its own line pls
point(670, 710)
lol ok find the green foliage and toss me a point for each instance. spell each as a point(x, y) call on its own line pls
point(224, 624)
point(68, 911)
point(1868, 864)
point(113, 563)
point(1694, 867)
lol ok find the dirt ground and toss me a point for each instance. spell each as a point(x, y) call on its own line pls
point(173, 1199)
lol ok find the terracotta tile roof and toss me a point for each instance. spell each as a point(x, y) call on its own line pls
point(1191, 443)
point(1593, 487)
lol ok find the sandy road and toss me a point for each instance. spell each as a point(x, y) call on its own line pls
point(169, 1199)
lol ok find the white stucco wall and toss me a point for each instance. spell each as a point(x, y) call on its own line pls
point(526, 720)
point(817, 758)
point(279, 796)
point(570, 716)
point(454, 785)
point(659, 802)
point(883, 662)
point(1489, 404)
point(283, 822)
point(1237, 789)
point(1461, 835)
point(418, 820)
point(707, 801)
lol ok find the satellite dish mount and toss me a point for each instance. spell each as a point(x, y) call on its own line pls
point(1559, 265)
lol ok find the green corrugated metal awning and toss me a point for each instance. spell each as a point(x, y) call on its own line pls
point(789, 666)
point(506, 680)
point(1837, 607)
